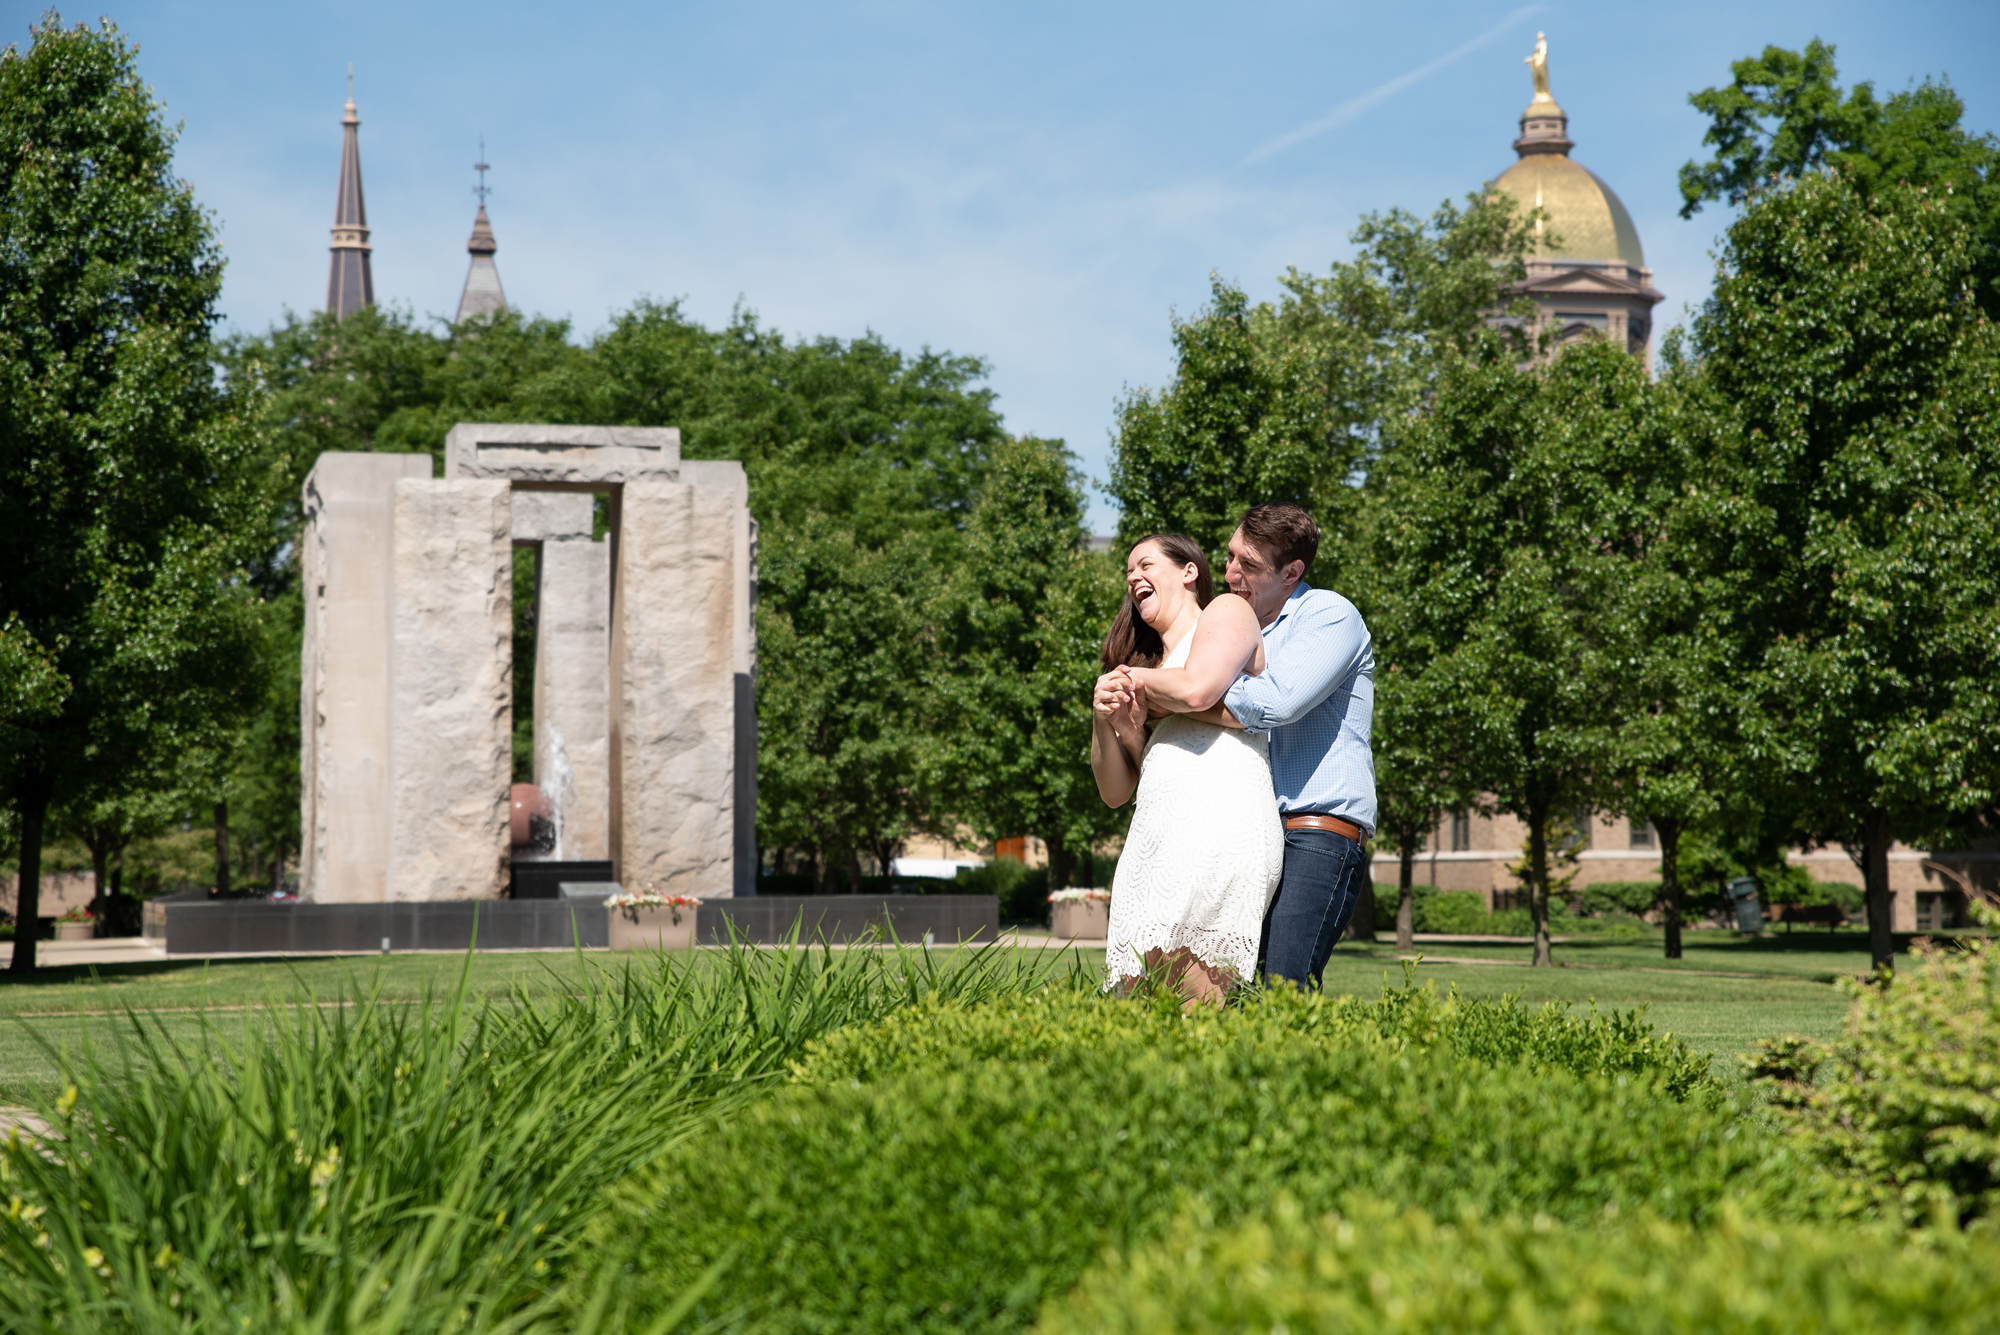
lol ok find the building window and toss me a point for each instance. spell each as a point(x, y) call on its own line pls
point(1461, 831)
point(1595, 319)
point(1643, 833)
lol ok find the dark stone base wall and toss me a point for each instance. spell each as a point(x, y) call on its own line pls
point(767, 919)
point(224, 927)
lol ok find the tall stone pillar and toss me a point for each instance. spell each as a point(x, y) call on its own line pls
point(346, 571)
point(450, 693)
point(673, 670)
point(572, 668)
point(726, 477)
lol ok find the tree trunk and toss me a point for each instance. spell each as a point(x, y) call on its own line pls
point(1538, 879)
point(1361, 927)
point(1670, 882)
point(1875, 877)
point(1406, 903)
point(99, 856)
point(34, 809)
point(1062, 863)
point(222, 848)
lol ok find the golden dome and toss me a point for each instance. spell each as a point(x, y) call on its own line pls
point(1581, 209)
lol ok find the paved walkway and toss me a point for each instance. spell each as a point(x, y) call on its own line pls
point(111, 950)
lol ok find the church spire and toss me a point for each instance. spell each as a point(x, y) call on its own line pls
point(350, 282)
point(482, 295)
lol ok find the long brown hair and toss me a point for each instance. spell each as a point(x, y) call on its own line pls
point(1130, 640)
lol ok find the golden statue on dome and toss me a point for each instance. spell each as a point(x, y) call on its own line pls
point(1538, 65)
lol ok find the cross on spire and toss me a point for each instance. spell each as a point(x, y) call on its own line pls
point(482, 294)
point(482, 189)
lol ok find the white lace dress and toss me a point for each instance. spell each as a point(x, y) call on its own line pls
point(1201, 861)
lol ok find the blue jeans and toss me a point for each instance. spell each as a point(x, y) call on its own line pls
point(1316, 897)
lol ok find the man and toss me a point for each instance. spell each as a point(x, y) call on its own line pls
point(1316, 697)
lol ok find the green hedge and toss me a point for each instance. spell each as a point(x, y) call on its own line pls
point(1630, 898)
point(1904, 1102)
point(950, 1168)
point(1376, 1273)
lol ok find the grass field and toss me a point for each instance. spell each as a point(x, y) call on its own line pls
point(1723, 996)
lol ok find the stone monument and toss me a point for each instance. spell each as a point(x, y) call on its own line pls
point(645, 722)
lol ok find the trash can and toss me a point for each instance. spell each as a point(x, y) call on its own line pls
point(1749, 910)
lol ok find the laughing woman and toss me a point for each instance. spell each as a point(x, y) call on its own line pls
point(1202, 858)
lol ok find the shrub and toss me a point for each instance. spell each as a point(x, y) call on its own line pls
point(1023, 891)
point(1905, 1099)
point(1627, 897)
point(948, 1169)
point(1373, 1272)
point(1451, 912)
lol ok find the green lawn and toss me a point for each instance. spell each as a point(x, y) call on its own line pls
point(1788, 989)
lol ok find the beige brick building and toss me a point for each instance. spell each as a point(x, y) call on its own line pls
point(1469, 851)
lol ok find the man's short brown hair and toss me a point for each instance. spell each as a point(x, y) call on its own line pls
point(1283, 532)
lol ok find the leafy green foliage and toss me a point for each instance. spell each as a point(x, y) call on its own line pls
point(1854, 491)
point(1019, 619)
point(845, 700)
point(360, 1165)
point(1496, 530)
point(1373, 1271)
point(967, 1162)
point(1452, 912)
point(1287, 402)
point(126, 485)
point(1022, 891)
point(1239, 426)
point(1904, 1098)
point(1633, 897)
point(1784, 116)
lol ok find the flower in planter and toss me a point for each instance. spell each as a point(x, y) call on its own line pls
point(1096, 895)
point(78, 914)
point(650, 898)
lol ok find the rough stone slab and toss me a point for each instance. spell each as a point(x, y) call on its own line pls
point(540, 516)
point(344, 561)
point(450, 697)
point(673, 671)
point(726, 477)
point(573, 690)
point(569, 455)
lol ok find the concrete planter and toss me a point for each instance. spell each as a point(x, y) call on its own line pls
point(1085, 918)
point(667, 927)
point(76, 931)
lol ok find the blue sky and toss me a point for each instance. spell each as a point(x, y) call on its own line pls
point(1037, 184)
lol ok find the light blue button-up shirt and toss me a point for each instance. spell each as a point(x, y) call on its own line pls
point(1316, 698)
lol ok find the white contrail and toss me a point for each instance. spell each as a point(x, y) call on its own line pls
point(1353, 107)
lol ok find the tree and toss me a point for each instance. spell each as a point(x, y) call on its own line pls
point(1783, 117)
point(1419, 762)
point(1294, 401)
point(1020, 619)
point(1239, 425)
point(846, 695)
point(1494, 509)
point(1863, 384)
point(122, 486)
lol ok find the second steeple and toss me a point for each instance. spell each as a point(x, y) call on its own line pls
point(482, 294)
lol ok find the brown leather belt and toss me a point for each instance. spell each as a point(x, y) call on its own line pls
point(1334, 823)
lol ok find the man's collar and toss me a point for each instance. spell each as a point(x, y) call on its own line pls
point(1285, 608)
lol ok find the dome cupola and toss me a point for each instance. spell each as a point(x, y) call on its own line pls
point(1588, 271)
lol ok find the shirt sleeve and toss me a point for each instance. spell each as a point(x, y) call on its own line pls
point(1321, 651)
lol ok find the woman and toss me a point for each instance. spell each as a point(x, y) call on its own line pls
point(1202, 858)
